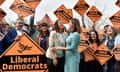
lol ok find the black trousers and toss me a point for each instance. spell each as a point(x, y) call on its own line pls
point(117, 66)
point(58, 68)
point(82, 66)
point(93, 66)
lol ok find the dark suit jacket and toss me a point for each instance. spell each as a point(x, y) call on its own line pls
point(10, 37)
point(1, 43)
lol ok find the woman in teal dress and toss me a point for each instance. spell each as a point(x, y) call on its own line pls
point(72, 56)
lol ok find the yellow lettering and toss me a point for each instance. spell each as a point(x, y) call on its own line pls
point(32, 66)
point(11, 59)
point(37, 58)
point(5, 66)
point(19, 59)
point(28, 66)
point(41, 66)
point(10, 67)
point(45, 66)
point(17, 67)
point(23, 66)
point(25, 60)
point(37, 66)
point(34, 59)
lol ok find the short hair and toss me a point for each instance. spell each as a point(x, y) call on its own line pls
point(115, 33)
point(19, 19)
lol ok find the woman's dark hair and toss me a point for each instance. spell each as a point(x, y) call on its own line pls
point(47, 32)
point(56, 28)
point(76, 24)
point(97, 37)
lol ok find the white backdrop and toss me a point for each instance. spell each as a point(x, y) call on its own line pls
point(107, 8)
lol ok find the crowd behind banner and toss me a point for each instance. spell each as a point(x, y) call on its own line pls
point(75, 49)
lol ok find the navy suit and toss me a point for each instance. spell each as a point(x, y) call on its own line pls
point(10, 37)
point(1, 43)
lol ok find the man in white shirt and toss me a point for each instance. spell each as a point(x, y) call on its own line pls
point(14, 34)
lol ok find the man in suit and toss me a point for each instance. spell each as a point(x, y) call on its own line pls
point(14, 34)
point(1, 36)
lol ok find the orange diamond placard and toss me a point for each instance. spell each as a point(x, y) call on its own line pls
point(101, 34)
point(89, 52)
point(103, 54)
point(1, 1)
point(32, 3)
point(25, 46)
point(83, 43)
point(2, 14)
point(23, 55)
point(21, 8)
point(69, 11)
point(115, 19)
point(63, 14)
point(14, 6)
point(83, 40)
point(116, 52)
point(81, 7)
point(47, 19)
point(118, 3)
point(94, 14)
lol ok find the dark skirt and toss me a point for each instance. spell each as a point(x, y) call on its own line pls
point(58, 68)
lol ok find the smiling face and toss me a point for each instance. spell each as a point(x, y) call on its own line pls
point(19, 24)
point(93, 35)
point(44, 27)
point(109, 30)
point(60, 25)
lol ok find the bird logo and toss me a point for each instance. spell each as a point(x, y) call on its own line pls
point(23, 47)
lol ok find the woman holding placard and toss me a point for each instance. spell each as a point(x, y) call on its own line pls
point(92, 65)
point(112, 39)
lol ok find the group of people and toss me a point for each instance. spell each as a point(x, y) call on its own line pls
point(58, 44)
point(110, 39)
point(4, 28)
point(62, 53)
point(61, 45)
